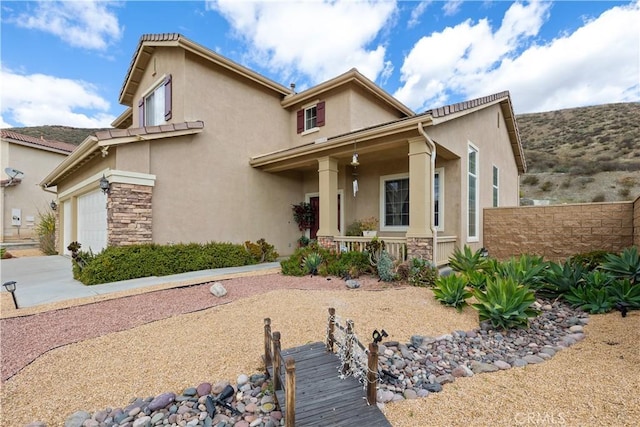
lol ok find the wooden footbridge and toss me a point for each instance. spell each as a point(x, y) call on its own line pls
point(316, 387)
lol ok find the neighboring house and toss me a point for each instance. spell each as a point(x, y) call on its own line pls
point(25, 160)
point(209, 150)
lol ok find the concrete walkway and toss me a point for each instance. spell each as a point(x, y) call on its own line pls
point(47, 279)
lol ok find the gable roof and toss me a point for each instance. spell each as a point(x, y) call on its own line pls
point(39, 143)
point(351, 76)
point(148, 44)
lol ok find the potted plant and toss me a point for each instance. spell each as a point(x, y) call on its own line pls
point(303, 215)
point(369, 226)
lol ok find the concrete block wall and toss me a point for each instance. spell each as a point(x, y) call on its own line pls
point(560, 231)
point(636, 222)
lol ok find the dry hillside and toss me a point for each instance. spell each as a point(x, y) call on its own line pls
point(574, 155)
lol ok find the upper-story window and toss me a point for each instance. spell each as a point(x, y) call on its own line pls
point(155, 107)
point(311, 117)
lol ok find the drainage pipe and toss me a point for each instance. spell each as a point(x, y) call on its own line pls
point(434, 231)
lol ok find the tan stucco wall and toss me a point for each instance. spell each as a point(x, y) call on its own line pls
point(559, 231)
point(95, 165)
point(26, 196)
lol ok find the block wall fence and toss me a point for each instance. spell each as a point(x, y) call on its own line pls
point(559, 231)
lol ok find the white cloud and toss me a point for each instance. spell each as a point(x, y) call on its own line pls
point(451, 7)
point(86, 23)
point(38, 99)
point(598, 63)
point(316, 40)
point(417, 12)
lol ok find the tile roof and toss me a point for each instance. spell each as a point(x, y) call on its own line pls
point(38, 142)
point(465, 105)
point(148, 130)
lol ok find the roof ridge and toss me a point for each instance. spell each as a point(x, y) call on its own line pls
point(465, 105)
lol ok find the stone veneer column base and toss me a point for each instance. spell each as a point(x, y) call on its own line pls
point(420, 247)
point(325, 241)
point(129, 214)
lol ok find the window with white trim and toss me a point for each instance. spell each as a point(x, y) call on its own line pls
point(155, 107)
point(311, 117)
point(394, 195)
point(438, 202)
point(496, 192)
point(472, 193)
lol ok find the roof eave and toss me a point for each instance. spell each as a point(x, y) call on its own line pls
point(89, 145)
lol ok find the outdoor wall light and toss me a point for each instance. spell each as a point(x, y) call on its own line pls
point(11, 288)
point(104, 185)
point(53, 205)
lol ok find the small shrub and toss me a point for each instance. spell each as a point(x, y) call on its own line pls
point(311, 263)
point(352, 264)
point(261, 251)
point(385, 268)
point(354, 229)
point(530, 180)
point(589, 260)
point(505, 303)
point(46, 231)
point(600, 197)
point(451, 290)
point(624, 193)
point(403, 271)
point(422, 272)
point(548, 185)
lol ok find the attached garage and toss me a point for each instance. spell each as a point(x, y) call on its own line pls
point(92, 221)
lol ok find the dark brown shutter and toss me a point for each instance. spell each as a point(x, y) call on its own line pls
point(320, 114)
point(141, 112)
point(300, 117)
point(167, 98)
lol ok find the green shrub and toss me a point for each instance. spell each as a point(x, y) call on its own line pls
point(46, 231)
point(311, 263)
point(590, 299)
point(117, 263)
point(385, 267)
point(352, 263)
point(623, 291)
point(354, 229)
point(422, 272)
point(452, 290)
point(600, 197)
point(589, 260)
point(558, 279)
point(624, 266)
point(530, 180)
point(546, 186)
point(261, 251)
point(466, 260)
point(505, 303)
point(476, 279)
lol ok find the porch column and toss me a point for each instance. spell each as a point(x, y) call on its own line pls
point(328, 183)
point(419, 235)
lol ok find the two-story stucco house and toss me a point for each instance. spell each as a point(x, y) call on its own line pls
point(208, 150)
point(25, 160)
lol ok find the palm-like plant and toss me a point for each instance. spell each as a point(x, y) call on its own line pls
point(505, 303)
point(625, 265)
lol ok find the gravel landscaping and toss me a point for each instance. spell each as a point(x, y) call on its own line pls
point(103, 354)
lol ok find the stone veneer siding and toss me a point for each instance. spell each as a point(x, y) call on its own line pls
point(129, 214)
point(420, 248)
point(325, 242)
point(559, 231)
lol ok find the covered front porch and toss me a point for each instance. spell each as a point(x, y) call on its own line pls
point(393, 175)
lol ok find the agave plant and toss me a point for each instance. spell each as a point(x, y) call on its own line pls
point(476, 279)
point(527, 270)
point(466, 260)
point(590, 299)
point(311, 263)
point(558, 279)
point(623, 291)
point(505, 303)
point(625, 265)
point(452, 290)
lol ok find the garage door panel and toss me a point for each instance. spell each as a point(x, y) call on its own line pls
point(92, 221)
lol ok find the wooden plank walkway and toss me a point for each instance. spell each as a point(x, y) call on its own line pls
point(322, 398)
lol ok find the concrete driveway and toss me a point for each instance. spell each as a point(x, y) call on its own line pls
point(47, 279)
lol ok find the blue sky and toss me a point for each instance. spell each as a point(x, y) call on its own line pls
point(63, 63)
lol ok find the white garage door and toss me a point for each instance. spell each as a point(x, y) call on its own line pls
point(92, 221)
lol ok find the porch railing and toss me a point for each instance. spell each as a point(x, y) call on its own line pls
point(396, 246)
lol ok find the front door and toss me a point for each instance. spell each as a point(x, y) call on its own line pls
point(314, 201)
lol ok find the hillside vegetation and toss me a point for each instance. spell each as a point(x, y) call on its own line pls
point(587, 154)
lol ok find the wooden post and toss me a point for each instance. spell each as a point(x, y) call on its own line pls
point(331, 329)
point(372, 374)
point(267, 344)
point(348, 343)
point(276, 361)
point(290, 393)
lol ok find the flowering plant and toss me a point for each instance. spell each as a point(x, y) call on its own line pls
point(370, 223)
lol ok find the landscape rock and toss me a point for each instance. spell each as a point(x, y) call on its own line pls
point(218, 290)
